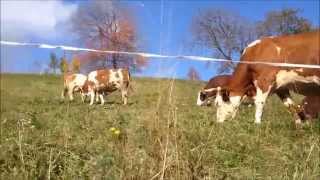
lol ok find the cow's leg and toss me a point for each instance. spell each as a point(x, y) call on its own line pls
point(263, 91)
point(124, 95)
point(101, 98)
point(285, 97)
point(97, 97)
point(64, 92)
point(70, 93)
point(226, 108)
point(92, 94)
point(83, 97)
point(220, 111)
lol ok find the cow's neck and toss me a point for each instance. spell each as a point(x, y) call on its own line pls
point(240, 81)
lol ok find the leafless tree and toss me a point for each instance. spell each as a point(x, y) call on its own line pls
point(53, 64)
point(193, 74)
point(285, 21)
point(227, 34)
point(37, 65)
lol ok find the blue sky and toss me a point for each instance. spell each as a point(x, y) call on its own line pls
point(163, 26)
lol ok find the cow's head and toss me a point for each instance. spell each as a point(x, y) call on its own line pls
point(227, 105)
point(202, 98)
point(205, 95)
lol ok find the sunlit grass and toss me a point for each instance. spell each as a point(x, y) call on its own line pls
point(160, 134)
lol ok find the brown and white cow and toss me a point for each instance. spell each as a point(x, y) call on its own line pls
point(296, 49)
point(73, 83)
point(209, 91)
point(105, 81)
point(311, 107)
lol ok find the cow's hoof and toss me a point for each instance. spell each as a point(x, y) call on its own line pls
point(298, 121)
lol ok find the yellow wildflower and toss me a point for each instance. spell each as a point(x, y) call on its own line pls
point(117, 132)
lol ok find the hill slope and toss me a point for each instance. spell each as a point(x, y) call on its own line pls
point(160, 133)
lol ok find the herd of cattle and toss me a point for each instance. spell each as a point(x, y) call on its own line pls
point(251, 80)
point(309, 108)
point(97, 83)
point(258, 81)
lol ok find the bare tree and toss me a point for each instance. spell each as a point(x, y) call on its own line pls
point(285, 21)
point(106, 25)
point(227, 34)
point(193, 74)
point(53, 64)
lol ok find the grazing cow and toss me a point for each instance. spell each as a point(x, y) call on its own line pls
point(295, 49)
point(210, 90)
point(105, 81)
point(311, 107)
point(73, 83)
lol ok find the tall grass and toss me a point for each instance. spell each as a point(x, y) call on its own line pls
point(161, 134)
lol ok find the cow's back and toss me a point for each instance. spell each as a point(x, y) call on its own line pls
point(76, 79)
point(218, 81)
point(99, 76)
point(285, 49)
point(294, 49)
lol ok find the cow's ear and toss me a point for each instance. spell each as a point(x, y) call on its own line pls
point(225, 95)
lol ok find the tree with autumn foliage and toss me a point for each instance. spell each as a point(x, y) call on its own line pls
point(75, 64)
point(193, 74)
point(106, 25)
point(64, 66)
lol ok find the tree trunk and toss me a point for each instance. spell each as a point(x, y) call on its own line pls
point(114, 61)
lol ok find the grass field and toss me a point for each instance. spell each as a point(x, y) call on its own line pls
point(160, 134)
